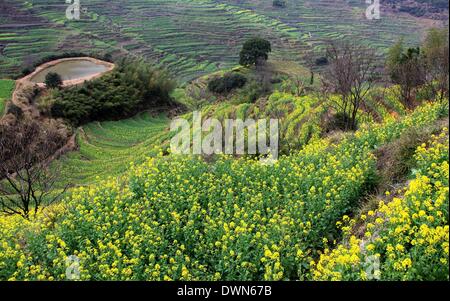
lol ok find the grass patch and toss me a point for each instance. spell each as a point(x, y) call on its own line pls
point(395, 160)
point(6, 89)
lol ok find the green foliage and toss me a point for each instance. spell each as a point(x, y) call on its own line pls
point(436, 52)
point(181, 218)
point(400, 58)
point(421, 72)
point(227, 83)
point(131, 87)
point(436, 39)
point(252, 92)
point(394, 54)
point(53, 80)
point(254, 51)
point(410, 54)
point(187, 49)
point(45, 103)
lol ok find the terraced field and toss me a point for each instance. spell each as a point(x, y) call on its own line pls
point(190, 37)
point(139, 212)
point(301, 119)
point(6, 88)
point(299, 116)
point(107, 148)
point(180, 218)
point(28, 34)
point(314, 22)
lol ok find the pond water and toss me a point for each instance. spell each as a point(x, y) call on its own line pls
point(69, 70)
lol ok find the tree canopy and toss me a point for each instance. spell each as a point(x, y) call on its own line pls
point(53, 80)
point(254, 51)
point(133, 86)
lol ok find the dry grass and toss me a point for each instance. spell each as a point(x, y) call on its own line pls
point(395, 160)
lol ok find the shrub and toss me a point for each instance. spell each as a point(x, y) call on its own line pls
point(254, 90)
point(396, 159)
point(132, 87)
point(46, 102)
point(321, 61)
point(279, 3)
point(14, 110)
point(227, 83)
point(53, 80)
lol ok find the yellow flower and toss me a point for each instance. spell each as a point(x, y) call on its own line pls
point(406, 263)
point(184, 272)
point(370, 247)
point(399, 248)
point(268, 253)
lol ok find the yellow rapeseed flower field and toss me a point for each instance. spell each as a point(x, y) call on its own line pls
point(409, 234)
point(181, 218)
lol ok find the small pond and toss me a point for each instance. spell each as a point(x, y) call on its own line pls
point(70, 70)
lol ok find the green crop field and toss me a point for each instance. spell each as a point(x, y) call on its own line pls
point(192, 37)
point(6, 88)
point(107, 148)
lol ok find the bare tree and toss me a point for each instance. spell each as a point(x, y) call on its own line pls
point(350, 74)
point(409, 73)
point(26, 181)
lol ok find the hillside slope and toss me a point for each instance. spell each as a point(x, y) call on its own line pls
point(407, 234)
point(191, 37)
point(105, 149)
point(180, 218)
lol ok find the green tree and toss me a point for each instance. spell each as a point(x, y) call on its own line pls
point(407, 69)
point(435, 49)
point(132, 86)
point(254, 52)
point(394, 56)
point(53, 80)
